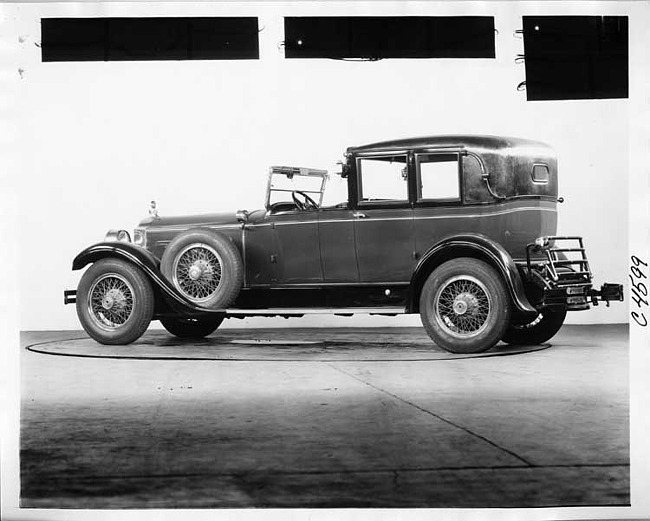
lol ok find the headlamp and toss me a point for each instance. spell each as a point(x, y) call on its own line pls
point(542, 242)
point(139, 237)
point(117, 235)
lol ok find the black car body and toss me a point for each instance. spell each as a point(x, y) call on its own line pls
point(461, 229)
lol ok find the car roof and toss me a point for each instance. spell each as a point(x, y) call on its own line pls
point(448, 141)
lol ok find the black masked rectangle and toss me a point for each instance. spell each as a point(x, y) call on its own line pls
point(138, 39)
point(378, 37)
point(576, 57)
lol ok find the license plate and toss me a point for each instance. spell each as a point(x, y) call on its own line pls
point(576, 300)
point(575, 290)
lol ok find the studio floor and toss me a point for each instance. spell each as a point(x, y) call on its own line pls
point(325, 418)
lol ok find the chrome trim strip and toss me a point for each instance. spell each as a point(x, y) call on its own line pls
point(243, 254)
point(449, 213)
point(490, 214)
point(184, 227)
point(281, 223)
point(413, 217)
point(369, 219)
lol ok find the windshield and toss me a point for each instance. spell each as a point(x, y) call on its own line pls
point(288, 183)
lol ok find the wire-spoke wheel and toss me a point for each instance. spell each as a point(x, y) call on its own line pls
point(197, 272)
point(205, 267)
point(115, 302)
point(464, 306)
point(111, 301)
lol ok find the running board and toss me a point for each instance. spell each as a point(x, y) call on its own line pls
point(70, 297)
point(318, 311)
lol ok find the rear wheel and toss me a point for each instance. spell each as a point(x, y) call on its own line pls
point(192, 327)
point(542, 328)
point(464, 306)
point(115, 302)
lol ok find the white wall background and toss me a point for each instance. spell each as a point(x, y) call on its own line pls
point(97, 140)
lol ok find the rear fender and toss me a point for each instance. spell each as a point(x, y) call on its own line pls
point(476, 246)
point(144, 260)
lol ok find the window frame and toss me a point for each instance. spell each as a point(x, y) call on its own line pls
point(548, 174)
point(392, 203)
point(446, 201)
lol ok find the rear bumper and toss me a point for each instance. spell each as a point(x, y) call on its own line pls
point(577, 298)
point(607, 293)
point(565, 275)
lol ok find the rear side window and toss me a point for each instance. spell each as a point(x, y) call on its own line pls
point(540, 174)
point(438, 177)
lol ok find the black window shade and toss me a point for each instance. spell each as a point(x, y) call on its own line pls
point(389, 37)
point(576, 57)
point(137, 39)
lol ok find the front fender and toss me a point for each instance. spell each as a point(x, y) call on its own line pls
point(135, 254)
point(471, 245)
point(144, 260)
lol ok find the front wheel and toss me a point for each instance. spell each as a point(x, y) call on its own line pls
point(465, 306)
point(115, 302)
point(192, 327)
point(542, 328)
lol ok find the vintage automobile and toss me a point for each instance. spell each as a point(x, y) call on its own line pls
point(460, 229)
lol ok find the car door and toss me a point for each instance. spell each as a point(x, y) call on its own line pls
point(296, 247)
point(337, 245)
point(438, 209)
point(383, 218)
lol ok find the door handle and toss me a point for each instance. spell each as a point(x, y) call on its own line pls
point(359, 215)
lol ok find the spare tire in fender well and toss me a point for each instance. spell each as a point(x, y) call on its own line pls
point(205, 267)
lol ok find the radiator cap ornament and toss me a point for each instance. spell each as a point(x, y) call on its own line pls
point(153, 210)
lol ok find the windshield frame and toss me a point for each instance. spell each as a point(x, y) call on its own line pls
point(290, 172)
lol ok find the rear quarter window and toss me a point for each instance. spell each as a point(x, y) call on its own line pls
point(438, 177)
point(540, 173)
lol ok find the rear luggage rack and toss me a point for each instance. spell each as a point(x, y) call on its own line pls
point(566, 279)
point(576, 266)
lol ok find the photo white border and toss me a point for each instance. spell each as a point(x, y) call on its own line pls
point(639, 100)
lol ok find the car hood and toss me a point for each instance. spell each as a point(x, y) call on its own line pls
point(190, 221)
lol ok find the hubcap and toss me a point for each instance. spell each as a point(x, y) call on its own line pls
point(462, 306)
point(107, 302)
point(464, 303)
point(115, 297)
point(195, 272)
